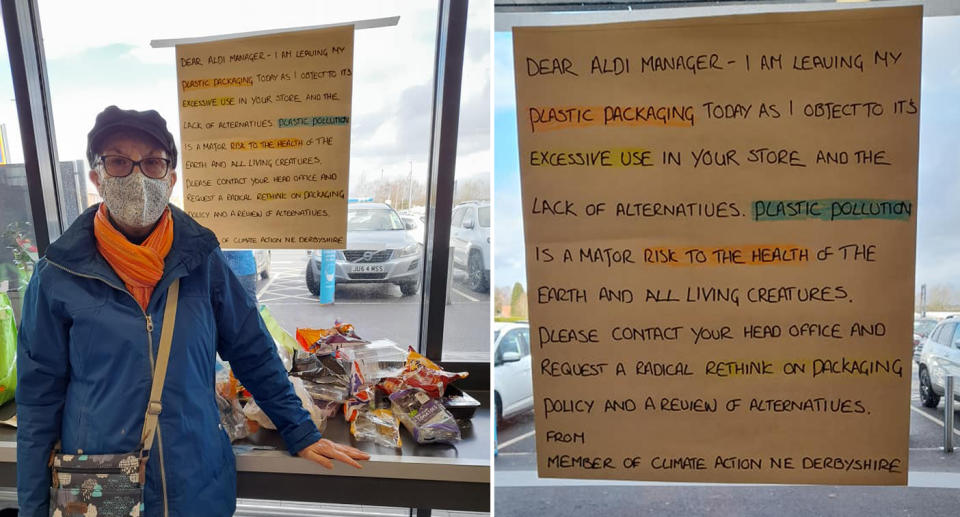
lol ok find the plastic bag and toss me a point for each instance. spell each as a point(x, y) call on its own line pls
point(8, 350)
point(379, 426)
point(286, 344)
point(232, 419)
point(255, 413)
point(425, 418)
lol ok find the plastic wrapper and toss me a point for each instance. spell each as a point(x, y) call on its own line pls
point(324, 341)
point(379, 426)
point(255, 413)
point(328, 408)
point(361, 400)
point(325, 369)
point(327, 392)
point(425, 418)
point(376, 360)
point(433, 382)
point(232, 418)
point(286, 344)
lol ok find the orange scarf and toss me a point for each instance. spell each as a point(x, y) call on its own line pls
point(139, 266)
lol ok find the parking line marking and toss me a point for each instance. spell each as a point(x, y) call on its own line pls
point(465, 295)
point(928, 417)
point(265, 286)
point(514, 440)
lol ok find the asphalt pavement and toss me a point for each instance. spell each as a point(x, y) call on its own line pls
point(376, 310)
point(933, 487)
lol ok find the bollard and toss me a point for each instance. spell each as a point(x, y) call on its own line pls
point(328, 272)
point(948, 414)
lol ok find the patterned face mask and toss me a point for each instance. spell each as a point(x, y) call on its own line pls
point(135, 200)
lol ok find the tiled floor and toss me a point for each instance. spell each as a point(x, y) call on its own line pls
point(258, 508)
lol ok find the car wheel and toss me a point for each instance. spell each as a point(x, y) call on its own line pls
point(313, 283)
point(409, 288)
point(478, 277)
point(499, 408)
point(928, 397)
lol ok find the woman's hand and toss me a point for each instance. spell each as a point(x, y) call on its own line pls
point(324, 450)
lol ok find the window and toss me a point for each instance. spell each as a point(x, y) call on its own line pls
point(511, 342)
point(956, 338)
point(517, 462)
point(392, 106)
point(466, 334)
point(18, 242)
point(946, 334)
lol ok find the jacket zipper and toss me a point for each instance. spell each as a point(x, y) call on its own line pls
point(149, 320)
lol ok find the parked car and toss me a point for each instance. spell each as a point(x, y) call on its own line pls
point(263, 262)
point(513, 381)
point(414, 227)
point(470, 239)
point(379, 250)
point(940, 357)
point(921, 329)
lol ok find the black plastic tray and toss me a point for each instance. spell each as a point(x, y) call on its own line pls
point(461, 405)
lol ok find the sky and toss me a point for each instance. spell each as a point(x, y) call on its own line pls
point(98, 57)
point(938, 203)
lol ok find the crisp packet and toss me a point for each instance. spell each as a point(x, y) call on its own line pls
point(324, 341)
point(425, 418)
point(379, 426)
point(362, 399)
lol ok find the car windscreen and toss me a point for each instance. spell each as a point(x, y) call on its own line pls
point(496, 334)
point(483, 216)
point(372, 220)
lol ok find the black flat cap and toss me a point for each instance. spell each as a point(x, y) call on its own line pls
point(150, 122)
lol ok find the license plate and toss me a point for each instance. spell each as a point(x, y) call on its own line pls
point(367, 268)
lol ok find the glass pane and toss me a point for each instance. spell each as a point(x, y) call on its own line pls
point(391, 116)
point(466, 330)
point(937, 248)
point(18, 251)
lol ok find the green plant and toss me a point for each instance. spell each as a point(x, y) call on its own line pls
point(18, 238)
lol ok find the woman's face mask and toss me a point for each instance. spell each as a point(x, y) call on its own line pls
point(135, 200)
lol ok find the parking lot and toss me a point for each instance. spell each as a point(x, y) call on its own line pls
point(933, 483)
point(376, 310)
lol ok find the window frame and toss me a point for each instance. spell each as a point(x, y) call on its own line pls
point(31, 88)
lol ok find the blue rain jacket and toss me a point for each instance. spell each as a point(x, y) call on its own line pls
point(84, 370)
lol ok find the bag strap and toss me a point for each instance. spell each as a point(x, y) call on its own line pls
point(160, 370)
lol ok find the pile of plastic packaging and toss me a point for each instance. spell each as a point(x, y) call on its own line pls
point(378, 385)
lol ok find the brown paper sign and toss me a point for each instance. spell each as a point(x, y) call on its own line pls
point(265, 131)
point(720, 221)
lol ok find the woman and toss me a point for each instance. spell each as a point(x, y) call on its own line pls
point(92, 318)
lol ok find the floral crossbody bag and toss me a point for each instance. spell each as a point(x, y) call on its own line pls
point(111, 485)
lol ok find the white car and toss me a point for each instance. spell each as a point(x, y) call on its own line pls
point(513, 381)
point(414, 227)
point(939, 357)
point(470, 239)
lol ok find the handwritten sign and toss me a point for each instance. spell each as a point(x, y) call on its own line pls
point(265, 131)
point(720, 221)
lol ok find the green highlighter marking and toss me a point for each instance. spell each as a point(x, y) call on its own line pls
point(840, 209)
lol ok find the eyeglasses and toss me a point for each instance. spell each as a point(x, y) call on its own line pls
point(121, 166)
